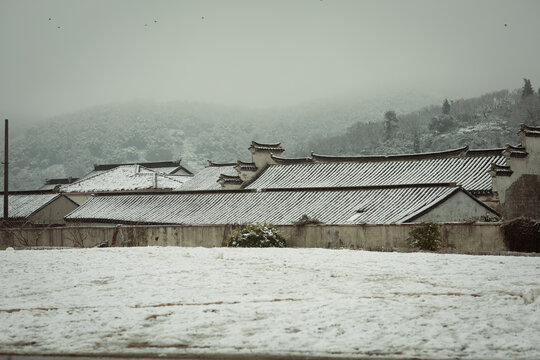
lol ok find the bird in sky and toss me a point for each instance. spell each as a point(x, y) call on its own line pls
point(50, 19)
point(155, 21)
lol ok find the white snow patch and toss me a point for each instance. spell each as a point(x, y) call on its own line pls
point(269, 301)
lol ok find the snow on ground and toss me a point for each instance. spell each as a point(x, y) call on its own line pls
point(269, 301)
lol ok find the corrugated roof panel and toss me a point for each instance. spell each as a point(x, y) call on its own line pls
point(22, 206)
point(379, 205)
point(469, 172)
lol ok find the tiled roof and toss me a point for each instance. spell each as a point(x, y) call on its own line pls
point(207, 178)
point(533, 131)
point(51, 184)
point(500, 170)
point(228, 179)
point(515, 151)
point(377, 158)
point(245, 166)
point(471, 172)
point(165, 167)
point(273, 148)
point(124, 178)
point(353, 206)
point(23, 206)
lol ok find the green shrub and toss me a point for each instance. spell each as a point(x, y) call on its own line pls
point(426, 236)
point(256, 235)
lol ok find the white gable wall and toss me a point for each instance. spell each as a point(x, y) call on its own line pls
point(54, 212)
point(459, 207)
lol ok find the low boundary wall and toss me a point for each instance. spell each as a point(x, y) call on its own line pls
point(456, 237)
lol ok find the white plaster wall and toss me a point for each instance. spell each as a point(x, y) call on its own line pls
point(54, 212)
point(459, 207)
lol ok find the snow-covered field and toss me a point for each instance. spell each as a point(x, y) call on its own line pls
point(269, 301)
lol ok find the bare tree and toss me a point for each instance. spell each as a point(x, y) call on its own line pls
point(77, 234)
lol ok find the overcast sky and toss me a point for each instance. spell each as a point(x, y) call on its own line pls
point(258, 53)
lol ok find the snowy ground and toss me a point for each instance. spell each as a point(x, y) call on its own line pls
point(269, 301)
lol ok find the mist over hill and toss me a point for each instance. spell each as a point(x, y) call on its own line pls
point(69, 145)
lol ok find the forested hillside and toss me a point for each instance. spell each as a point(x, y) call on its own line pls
point(70, 144)
point(491, 120)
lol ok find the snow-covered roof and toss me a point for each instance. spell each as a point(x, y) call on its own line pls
point(125, 178)
point(52, 184)
point(368, 205)
point(21, 206)
point(207, 178)
point(469, 170)
point(162, 167)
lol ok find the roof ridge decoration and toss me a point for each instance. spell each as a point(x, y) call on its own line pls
point(300, 160)
point(245, 166)
point(484, 152)
point(500, 170)
point(273, 148)
point(515, 151)
point(528, 130)
point(228, 179)
point(460, 152)
point(216, 164)
point(67, 180)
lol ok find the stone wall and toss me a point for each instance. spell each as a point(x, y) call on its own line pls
point(456, 237)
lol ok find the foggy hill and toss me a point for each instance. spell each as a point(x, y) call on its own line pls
point(70, 144)
point(488, 121)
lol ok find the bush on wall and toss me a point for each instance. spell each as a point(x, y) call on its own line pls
point(426, 236)
point(522, 234)
point(256, 235)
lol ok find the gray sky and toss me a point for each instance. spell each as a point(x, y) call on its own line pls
point(258, 53)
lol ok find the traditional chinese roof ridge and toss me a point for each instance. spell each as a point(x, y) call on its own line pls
point(22, 206)
point(282, 160)
point(514, 147)
point(500, 170)
point(274, 148)
point(470, 172)
point(150, 165)
point(533, 131)
point(215, 164)
point(379, 206)
point(59, 181)
point(484, 152)
point(228, 179)
point(245, 166)
point(515, 151)
point(377, 158)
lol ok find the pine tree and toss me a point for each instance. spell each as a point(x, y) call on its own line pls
point(390, 123)
point(446, 107)
point(527, 89)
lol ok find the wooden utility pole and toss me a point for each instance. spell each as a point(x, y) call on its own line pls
point(6, 191)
